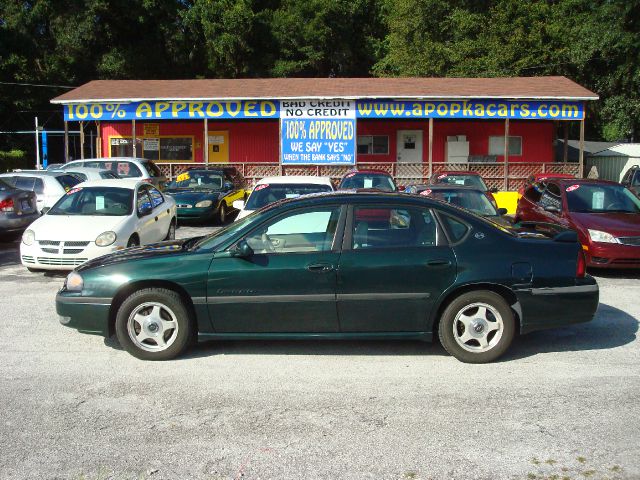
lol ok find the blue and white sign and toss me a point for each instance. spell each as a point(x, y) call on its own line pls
point(318, 132)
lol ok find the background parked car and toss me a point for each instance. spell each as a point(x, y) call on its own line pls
point(271, 189)
point(470, 198)
point(49, 186)
point(605, 214)
point(85, 174)
point(125, 167)
point(206, 194)
point(18, 208)
point(631, 179)
point(97, 218)
point(358, 179)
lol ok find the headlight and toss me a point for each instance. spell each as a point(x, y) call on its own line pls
point(604, 237)
point(74, 282)
point(204, 204)
point(28, 237)
point(105, 239)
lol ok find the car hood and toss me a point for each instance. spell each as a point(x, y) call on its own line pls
point(192, 196)
point(154, 250)
point(617, 224)
point(74, 227)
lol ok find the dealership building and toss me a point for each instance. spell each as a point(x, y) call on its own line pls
point(503, 128)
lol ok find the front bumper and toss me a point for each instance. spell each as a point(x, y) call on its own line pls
point(85, 314)
point(60, 257)
point(550, 307)
point(196, 213)
point(613, 255)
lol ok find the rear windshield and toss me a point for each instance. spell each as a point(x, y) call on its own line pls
point(473, 200)
point(368, 180)
point(67, 181)
point(152, 169)
point(467, 180)
point(265, 194)
point(123, 168)
point(4, 186)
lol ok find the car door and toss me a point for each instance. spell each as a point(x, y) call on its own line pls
point(394, 265)
point(161, 214)
point(288, 285)
point(146, 223)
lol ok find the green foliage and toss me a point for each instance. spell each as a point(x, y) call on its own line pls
point(69, 42)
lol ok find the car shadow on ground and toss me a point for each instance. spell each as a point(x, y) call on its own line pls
point(610, 328)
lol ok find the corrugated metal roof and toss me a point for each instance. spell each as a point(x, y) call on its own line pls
point(344, 88)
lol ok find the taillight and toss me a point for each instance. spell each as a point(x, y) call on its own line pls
point(581, 267)
point(6, 205)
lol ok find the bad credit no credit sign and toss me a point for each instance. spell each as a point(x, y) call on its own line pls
point(319, 132)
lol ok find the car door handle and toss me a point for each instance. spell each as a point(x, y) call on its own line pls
point(320, 267)
point(439, 262)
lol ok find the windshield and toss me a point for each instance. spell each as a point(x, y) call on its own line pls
point(585, 198)
point(207, 180)
point(467, 180)
point(265, 193)
point(106, 201)
point(473, 200)
point(368, 180)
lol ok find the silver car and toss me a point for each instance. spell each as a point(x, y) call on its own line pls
point(48, 186)
point(17, 209)
point(125, 167)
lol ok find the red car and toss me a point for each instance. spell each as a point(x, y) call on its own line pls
point(605, 214)
point(468, 179)
point(541, 177)
point(378, 179)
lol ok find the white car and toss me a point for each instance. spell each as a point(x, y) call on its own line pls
point(49, 186)
point(272, 189)
point(125, 167)
point(97, 218)
point(87, 174)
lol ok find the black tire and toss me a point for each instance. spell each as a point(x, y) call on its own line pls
point(171, 310)
point(134, 241)
point(171, 233)
point(463, 306)
point(223, 213)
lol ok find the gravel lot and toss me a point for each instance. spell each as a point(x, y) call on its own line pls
point(561, 405)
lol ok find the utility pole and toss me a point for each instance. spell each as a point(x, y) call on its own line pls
point(37, 146)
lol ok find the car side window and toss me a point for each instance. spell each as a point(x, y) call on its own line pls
point(25, 183)
point(39, 186)
point(299, 231)
point(387, 227)
point(636, 178)
point(551, 197)
point(156, 197)
point(626, 180)
point(456, 229)
point(143, 200)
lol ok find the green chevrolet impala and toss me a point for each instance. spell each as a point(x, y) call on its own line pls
point(340, 265)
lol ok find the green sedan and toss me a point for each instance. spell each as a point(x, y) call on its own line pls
point(339, 265)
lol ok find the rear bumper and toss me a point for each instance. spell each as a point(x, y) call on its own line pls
point(85, 314)
point(12, 222)
point(613, 255)
point(551, 307)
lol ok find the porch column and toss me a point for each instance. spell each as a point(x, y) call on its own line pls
point(506, 154)
point(98, 140)
point(133, 136)
point(565, 146)
point(206, 141)
point(430, 148)
point(82, 140)
point(581, 167)
point(66, 141)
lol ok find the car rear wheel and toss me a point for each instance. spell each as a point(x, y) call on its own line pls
point(477, 327)
point(153, 324)
point(222, 213)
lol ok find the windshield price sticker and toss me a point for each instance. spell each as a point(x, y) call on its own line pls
point(572, 188)
point(260, 187)
point(425, 192)
point(182, 177)
point(74, 190)
point(440, 177)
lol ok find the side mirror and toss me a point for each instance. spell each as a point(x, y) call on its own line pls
point(227, 186)
point(44, 210)
point(502, 211)
point(552, 209)
point(493, 190)
point(145, 210)
point(242, 250)
point(238, 204)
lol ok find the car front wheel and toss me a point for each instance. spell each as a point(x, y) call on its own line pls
point(477, 327)
point(222, 213)
point(153, 324)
